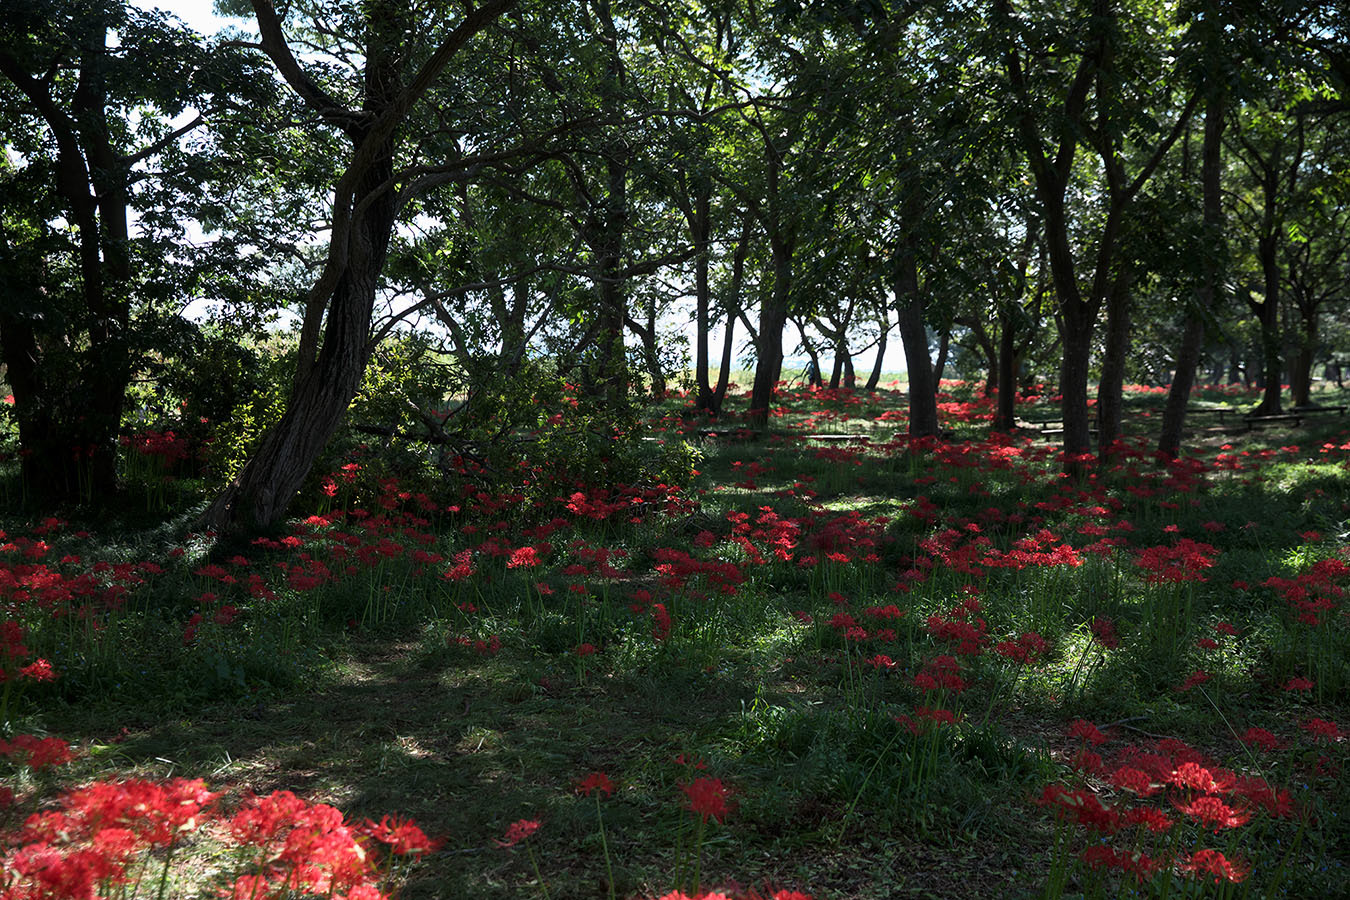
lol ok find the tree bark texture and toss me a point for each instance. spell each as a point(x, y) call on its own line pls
point(1300, 367)
point(1006, 410)
point(874, 378)
point(263, 489)
point(364, 213)
point(70, 380)
point(909, 303)
point(1206, 292)
point(773, 315)
point(1111, 386)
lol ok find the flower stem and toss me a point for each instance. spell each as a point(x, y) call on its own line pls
point(604, 844)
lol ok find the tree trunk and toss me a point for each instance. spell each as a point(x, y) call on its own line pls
point(651, 355)
point(990, 351)
point(923, 421)
point(69, 419)
point(514, 338)
point(611, 372)
point(1268, 315)
point(940, 364)
point(263, 489)
point(700, 227)
point(1300, 374)
point(1109, 389)
point(719, 393)
point(813, 375)
point(874, 378)
point(733, 312)
point(1206, 293)
point(1076, 323)
point(364, 213)
point(1183, 382)
point(1268, 310)
point(44, 456)
point(773, 314)
point(1006, 411)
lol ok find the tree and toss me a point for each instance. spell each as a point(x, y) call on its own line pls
point(393, 67)
point(1121, 110)
point(1316, 251)
point(98, 99)
point(1210, 282)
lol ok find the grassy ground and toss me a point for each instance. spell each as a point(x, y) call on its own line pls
point(454, 690)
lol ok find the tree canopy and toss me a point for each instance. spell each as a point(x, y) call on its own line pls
point(558, 196)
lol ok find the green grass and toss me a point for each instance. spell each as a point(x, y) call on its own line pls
point(371, 691)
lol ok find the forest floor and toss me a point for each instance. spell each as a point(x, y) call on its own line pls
point(915, 670)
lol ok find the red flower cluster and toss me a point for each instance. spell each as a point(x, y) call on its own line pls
point(102, 832)
point(708, 798)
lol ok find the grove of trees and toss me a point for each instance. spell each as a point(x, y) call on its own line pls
point(516, 197)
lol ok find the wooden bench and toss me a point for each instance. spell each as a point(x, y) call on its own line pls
point(1248, 420)
point(836, 438)
point(1220, 411)
point(1294, 417)
point(1318, 410)
point(1251, 421)
point(1048, 428)
point(746, 433)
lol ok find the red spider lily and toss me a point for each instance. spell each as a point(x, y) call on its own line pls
point(1260, 792)
point(1182, 562)
point(527, 557)
point(1321, 729)
point(680, 759)
point(843, 621)
point(518, 831)
point(402, 836)
point(596, 781)
point(1136, 781)
point(940, 716)
point(60, 874)
point(259, 819)
point(156, 812)
point(1214, 813)
point(1140, 865)
point(1104, 632)
point(708, 798)
point(1196, 678)
point(926, 717)
point(1086, 731)
point(1087, 762)
point(35, 752)
point(1087, 810)
point(1212, 862)
point(1151, 818)
point(1027, 649)
point(1193, 776)
point(890, 611)
point(1299, 684)
point(1261, 739)
point(941, 672)
point(660, 622)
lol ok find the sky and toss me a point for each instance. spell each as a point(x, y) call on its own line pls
point(200, 16)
